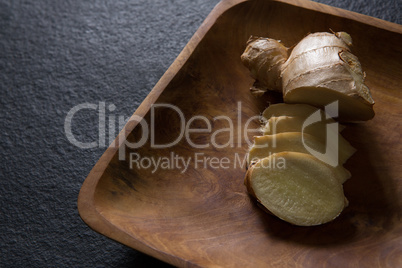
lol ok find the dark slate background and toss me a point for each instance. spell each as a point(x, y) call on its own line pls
point(58, 54)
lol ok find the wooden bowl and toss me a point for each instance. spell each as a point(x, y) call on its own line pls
point(203, 216)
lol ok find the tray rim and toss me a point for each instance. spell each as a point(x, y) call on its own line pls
point(85, 203)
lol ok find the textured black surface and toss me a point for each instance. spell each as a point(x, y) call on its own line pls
point(59, 54)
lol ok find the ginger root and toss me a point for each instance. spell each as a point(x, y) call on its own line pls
point(319, 70)
point(264, 58)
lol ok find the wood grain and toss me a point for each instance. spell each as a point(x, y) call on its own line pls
point(203, 217)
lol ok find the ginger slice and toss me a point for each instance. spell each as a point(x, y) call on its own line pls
point(351, 109)
point(319, 130)
point(279, 124)
point(267, 145)
point(280, 109)
point(296, 188)
point(295, 110)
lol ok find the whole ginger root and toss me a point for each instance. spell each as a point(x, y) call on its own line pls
point(320, 69)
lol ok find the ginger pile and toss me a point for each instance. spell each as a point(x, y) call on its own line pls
point(295, 169)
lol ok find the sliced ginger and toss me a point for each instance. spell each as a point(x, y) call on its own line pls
point(285, 109)
point(319, 130)
point(296, 168)
point(297, 188)
point(294, 110)
point(295, 124)
point(267, 145)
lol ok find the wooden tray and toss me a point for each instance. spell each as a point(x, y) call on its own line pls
point(204, 217)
